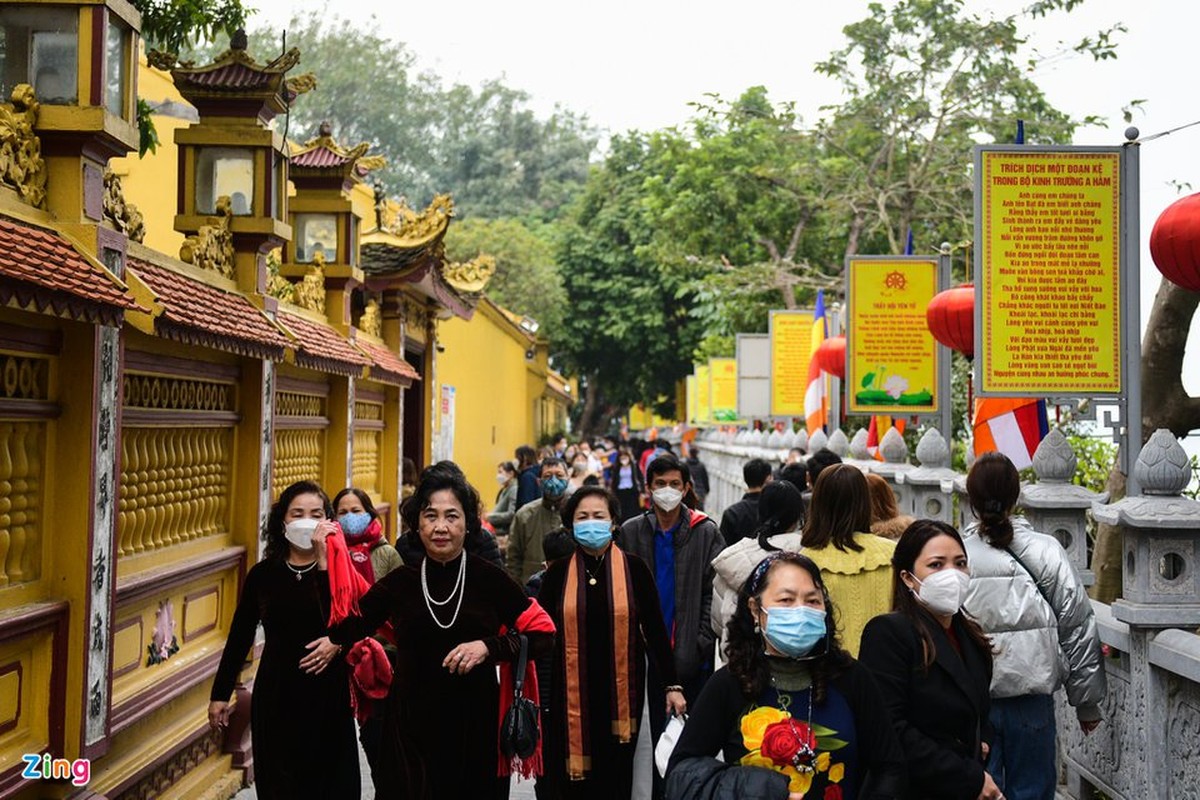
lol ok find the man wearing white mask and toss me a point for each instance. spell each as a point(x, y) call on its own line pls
point(679, 544)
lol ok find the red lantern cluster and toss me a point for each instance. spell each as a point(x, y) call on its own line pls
point(1175, 243)
point(831, 356)
point(951, 318)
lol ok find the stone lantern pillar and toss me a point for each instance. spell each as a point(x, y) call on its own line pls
point(1161, 589)
point(1058, 507)
point(895, 461)
point(925, 482)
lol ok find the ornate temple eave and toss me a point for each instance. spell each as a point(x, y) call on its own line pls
point(203, 312)
point(386, 367)
point(44, 271)
point(317, 346)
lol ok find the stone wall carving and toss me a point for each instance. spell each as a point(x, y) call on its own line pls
point(125, 217)
point(364, 467)
point(24, 378)
point(371, 321)
point(278, 286)
point(1183, 739)
point(179, 394)
point(297, 404)
point(310, 292)
point(21, 164)
point(298, 456)
point(211, 247)
point(21, 500)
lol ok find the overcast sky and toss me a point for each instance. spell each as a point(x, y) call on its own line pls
point(637, 64)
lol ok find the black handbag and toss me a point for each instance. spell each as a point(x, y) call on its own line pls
point(519, 734)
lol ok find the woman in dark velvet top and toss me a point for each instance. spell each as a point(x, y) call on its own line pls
point(442, 714)
point(301, 724)
point(605, 608)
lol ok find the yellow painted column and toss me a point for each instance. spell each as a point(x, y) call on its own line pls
point(339, 436)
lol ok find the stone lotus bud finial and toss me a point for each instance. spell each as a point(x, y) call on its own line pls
point(932, 450)
point(1054, 461)
point(894, 450)
point(774, 440)
point(800, 439)
point(858, 445)
point(326, 128)
point(239, 40)
point(1162, 468)
point(818, 441)
point(838, 443)
point(788, 439)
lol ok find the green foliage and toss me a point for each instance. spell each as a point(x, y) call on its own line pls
point(482, 144)
point(174, 25)
point(527, 280)
point(628, 331)
point(147, 134)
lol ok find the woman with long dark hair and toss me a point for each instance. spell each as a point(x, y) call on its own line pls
point(934, 665)
point(855, 564)
point(1033, 605)
point(626, 483)
point(604, 604)
point(780, 514)
point(794, 714)
point(441, 718)
point(301, 724)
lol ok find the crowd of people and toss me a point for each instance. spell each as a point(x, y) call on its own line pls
point(818, 642)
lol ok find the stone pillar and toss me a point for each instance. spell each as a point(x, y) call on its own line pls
point(1058, 507)
point(957, 487)
point(1161, 589)
point(895, 461)
point(925, 482)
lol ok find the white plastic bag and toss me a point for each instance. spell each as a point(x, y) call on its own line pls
point(666, 743)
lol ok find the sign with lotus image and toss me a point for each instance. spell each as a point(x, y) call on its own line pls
point(892, 358)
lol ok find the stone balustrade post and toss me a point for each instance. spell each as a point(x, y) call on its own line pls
point(1058, 507)
point(895, 461)
point(818, 441)
point(838, 444)
point(1151, 746)
point(925, 482)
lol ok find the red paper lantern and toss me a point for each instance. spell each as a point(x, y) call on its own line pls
point(831, 356)
point(1175, 243)
point(951, 318)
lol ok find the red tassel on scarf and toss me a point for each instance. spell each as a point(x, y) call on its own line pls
point(533, 620)
point(370, 670)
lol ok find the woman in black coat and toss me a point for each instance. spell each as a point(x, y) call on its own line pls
point(934, 665)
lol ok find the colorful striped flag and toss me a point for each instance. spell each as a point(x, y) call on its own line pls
point(816, 403)
point(1014, 427)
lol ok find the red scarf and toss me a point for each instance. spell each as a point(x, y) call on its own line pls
point(361, 547)
point(533, 619)
point(370, 670)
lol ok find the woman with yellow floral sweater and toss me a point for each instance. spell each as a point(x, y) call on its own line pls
point(796, 717)
point(855, 565)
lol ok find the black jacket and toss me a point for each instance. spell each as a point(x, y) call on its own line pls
point(940, 713)
point(713, 727)
point(740, 519)
point(529, 487)
point(699, 477)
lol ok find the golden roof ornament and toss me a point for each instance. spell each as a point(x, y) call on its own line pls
point(124, 216)
point(211, 247)
point(21, 164)
point(278, 286)
point(470, 277)
point(323, 153)
point(371, 321)
point(310, 292)
point(398, 219)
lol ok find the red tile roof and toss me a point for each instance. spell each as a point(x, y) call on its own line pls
point(49, 272)
point(322, 348)
point(320, 157)
point(388, 367)
point(209, 316)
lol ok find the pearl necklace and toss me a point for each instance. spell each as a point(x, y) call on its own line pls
point(460, 588)
point(299, 573)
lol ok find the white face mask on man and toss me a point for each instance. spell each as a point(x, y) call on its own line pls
point(944, 591)
point(667, 498)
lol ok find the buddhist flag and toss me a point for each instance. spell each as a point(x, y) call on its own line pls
point(1013, 427)
point(816, 403)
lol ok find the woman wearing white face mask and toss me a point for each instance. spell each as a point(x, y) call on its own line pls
point(301, 722)
point(934, 665)
point(1030, 600)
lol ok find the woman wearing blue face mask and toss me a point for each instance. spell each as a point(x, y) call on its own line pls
point(606, 610)
point(373, 558)
point(794, 714)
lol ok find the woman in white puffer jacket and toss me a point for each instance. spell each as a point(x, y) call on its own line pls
point(1032, 604)
point(780, 515)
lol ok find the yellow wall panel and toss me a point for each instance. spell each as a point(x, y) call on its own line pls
point(25, 670)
